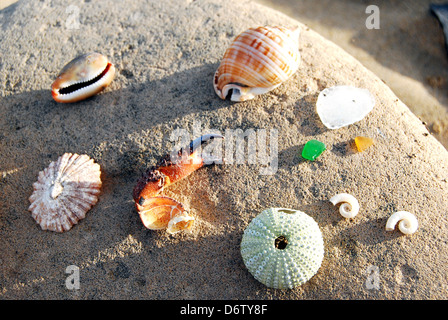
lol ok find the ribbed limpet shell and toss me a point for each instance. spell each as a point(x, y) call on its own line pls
point(83, 77)
point(282, 248)
point(65, 191)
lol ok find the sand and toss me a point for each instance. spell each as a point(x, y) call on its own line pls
point(166, 55)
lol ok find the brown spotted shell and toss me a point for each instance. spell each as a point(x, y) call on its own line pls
point(65, 191)
point(257, 61)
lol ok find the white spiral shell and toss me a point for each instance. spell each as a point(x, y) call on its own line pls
point(65, 191)
point(257, 61)
point(407, 222)
point(282, 248)
point(349, 207)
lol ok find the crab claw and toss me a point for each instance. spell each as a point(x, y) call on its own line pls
point(182, 163)
point(159, 212)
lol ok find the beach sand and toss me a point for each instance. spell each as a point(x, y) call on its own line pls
point(166, 54)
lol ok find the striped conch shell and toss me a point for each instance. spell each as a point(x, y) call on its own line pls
point(258, 60)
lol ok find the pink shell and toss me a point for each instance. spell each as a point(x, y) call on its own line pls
point(257, 61)
point(65, 191)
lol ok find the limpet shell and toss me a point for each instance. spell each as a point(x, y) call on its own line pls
point(65, 191)
point(83, 77)
point(257, 61)
point(282, 248)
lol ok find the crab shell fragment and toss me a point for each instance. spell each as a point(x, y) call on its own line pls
point(83, 77)
point(258, 60)
point(161, 212)
point(165, 213)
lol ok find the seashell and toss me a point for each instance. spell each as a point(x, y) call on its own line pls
point(340, 106)
point(257, 61)
point(65, 191)
point(282, 248)
point(349, 207)
point(162, 212)
point(407, 222)
point(83, 77)
point(182, 221)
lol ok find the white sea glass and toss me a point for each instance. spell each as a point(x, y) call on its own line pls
point(340, 106)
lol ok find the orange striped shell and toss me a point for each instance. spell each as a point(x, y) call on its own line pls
point(257, 61)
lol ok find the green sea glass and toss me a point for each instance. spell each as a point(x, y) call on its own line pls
point(313, 149)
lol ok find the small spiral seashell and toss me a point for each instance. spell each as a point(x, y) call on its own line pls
point(349, 207)
point(83, 77)
point(165, 213)
point(257, 61)
point(282, 248)
point(65, 191)
point(407, 222)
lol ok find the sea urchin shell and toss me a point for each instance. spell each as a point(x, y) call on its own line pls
point(65, 191)
point(282, 248)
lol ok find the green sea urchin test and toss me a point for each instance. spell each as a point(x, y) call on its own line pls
point(282, 248)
